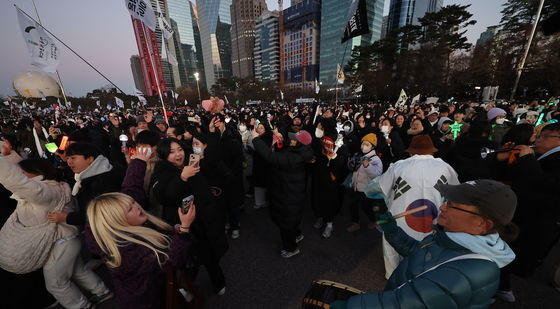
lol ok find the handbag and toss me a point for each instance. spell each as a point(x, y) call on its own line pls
point(24, 249)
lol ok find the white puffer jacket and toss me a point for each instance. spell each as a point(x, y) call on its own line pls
point(364, 175)
point(37, 197)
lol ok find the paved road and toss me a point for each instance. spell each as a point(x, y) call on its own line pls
point(257, 277)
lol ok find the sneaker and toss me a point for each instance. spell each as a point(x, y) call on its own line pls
point(234, 234)
point(222, 291)
point(318, 224)
point(328, 231)
point(288, 254)
point(299, 238)
point(98, 299)
point(506, 296)
point(353, 228)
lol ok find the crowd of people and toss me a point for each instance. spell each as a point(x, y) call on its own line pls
point(111, 192)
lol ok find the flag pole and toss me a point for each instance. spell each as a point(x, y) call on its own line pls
point(57, 74)
point(155, 73)
point(69, 48)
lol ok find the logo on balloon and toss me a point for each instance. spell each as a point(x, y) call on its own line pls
point(421, 221)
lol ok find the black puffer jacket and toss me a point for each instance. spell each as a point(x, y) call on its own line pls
point(287, 181)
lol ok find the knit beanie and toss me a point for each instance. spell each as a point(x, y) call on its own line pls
point(371, 138)
point(495, 112)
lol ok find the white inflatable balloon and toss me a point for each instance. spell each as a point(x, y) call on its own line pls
point(36, 85)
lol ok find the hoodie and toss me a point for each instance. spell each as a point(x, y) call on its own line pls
point(491, 246)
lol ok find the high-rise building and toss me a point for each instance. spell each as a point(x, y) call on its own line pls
point(136, 67)
point(267, 47)
point(384, 26)
point(183, 19)
point(334, 15)
point(215, 22)
point(244, 13)
point(300, 44)
point(487, 35)
point(407, 12)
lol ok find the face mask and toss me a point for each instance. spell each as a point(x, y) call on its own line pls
point(368, 116)
point(366, 148)
point(242, 129)
point(197, 150)
point(385, 129)
point(500, 121)
point(319, 133)
point(346, 130)
point(228, 120)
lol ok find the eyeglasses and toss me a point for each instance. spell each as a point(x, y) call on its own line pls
point(448, 205)
point(547, 136)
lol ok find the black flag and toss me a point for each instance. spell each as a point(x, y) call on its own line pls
point(357, 22)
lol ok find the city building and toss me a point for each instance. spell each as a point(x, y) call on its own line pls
point(487, 35)
point(407, 12)
point(244, 13)
point(384, 26)
point(188, 48)
point(267, 47)
point(214, 21)
point(300, 44)
point(136, 67)
point(334, 16)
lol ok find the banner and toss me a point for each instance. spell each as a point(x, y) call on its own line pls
point(415, 100)
point(143, 11)
point(44, 53)
point(317, 88)
point(166, 29)
point(119, 102)
point(356, 20)
point(358, 89)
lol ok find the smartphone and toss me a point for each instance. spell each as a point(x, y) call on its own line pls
point(63, 143)
point(186, 203)
point(194, 159)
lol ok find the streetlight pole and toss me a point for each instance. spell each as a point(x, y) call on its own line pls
point(197, 87)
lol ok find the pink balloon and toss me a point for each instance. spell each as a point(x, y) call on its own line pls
point(209, 105)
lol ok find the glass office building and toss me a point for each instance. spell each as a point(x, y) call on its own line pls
point(407, 12)
point(267, 48)
point(215, 24)
point(334, 14)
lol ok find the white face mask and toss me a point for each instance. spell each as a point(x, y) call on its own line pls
point(346, 130)
point(366, 148)
point(500, 121)
point(228, 120)
point(319, 133)
point(385, 129)
point(197, 150)
point(242, 129)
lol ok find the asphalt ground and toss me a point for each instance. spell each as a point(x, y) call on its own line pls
point(257, 277)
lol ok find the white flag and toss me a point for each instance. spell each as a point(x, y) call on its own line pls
point(162, 22)
point(227, 102)
point(98, 103)
point(69, 104)
point(142, 99)
point(339, 74)
point(186, 103)
point(142, 10)
point(172, 60)
point(416, 99)
point(6, 103)
point(282, 95)
point(358, 89)
point(317, 88)
point(44, 53)
point(402, 99)
point(175, 95)
point(119, 102)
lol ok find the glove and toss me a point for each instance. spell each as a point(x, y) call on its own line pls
point(387, 223)
point(339, 304)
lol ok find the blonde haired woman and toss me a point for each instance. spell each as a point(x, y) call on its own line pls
point(136, 246)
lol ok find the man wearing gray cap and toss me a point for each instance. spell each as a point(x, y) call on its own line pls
point(458, 265)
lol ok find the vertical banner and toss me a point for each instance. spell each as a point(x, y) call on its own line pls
point(142, 10)
point(356, 20)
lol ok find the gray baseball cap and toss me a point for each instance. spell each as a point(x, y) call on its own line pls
point(496, 198)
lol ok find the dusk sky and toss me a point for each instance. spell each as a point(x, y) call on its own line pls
point(101, 32)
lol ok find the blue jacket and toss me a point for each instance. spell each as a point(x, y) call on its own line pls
point(466, 283)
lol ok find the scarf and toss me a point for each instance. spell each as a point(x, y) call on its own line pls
point(38, 142)
point(99, 166)
point(491, 246)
